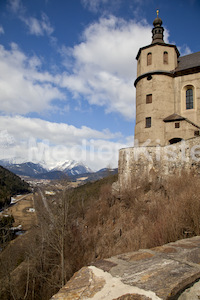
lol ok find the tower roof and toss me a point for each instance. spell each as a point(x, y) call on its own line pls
point(157, 31)
point(157, 37)
point(157, 22)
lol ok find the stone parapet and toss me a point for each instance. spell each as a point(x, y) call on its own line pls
point(160, 273)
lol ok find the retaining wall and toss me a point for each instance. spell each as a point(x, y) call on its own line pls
point(158, 161)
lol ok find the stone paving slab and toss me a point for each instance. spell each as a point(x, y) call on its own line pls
point(151, 274)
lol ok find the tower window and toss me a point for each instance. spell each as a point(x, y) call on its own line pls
point(149, 58)
point(149, 98)
point(189, 98)
point(148, 122)
point(165, 57)
point(177, 125)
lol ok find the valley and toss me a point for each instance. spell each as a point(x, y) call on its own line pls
point(23, 211)
point(72, 227)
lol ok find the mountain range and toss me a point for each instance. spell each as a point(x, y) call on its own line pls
point(71, 169)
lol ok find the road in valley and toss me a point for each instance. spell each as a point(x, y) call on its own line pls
point(45, 203)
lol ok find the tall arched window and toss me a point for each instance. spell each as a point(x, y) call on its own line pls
point(189, 98)
point(165, 57)
point(149, 58)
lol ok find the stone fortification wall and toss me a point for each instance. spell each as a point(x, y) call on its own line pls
point(158, 161)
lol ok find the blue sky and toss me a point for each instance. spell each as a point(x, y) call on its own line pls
point(67, 69)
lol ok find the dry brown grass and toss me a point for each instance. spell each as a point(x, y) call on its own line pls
point(146, 216)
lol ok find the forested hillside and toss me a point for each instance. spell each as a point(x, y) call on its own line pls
point(10, 184)
point(78, 226)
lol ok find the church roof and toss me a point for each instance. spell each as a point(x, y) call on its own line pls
point(173, 117)
point(188, 62)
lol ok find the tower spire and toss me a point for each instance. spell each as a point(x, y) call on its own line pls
point(157, 31)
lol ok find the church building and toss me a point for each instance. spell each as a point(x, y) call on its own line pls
point(167, 131)
point(167, 92)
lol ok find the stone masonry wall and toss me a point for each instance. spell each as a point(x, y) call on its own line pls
point(158, 161)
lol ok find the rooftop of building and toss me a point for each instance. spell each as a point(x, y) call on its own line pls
point(188, 61)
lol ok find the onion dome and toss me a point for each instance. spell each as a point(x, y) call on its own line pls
point(157, 22)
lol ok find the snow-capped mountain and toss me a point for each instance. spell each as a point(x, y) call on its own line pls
point(72, 168)
point(11, 161)
point(20, 161)
point(25, 169)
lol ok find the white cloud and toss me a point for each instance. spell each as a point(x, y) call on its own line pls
point(184, 50)
point(38, 27)
point(37, 140)
point(6, 140)
point(16, 6)
point(101, 69)
point(1, 30)
point(23, 128)
point(23, 88)
point(104, 65)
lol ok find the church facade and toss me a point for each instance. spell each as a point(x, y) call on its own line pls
point(167, 92)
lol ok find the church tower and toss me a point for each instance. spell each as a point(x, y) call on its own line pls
point(155, 99)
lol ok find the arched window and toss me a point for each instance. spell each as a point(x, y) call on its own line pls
point(149, 58)
point(189, 98)
point(165, 57)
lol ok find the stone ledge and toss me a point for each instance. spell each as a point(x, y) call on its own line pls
point(152, 274)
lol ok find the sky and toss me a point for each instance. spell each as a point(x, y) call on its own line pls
point(67, 69)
